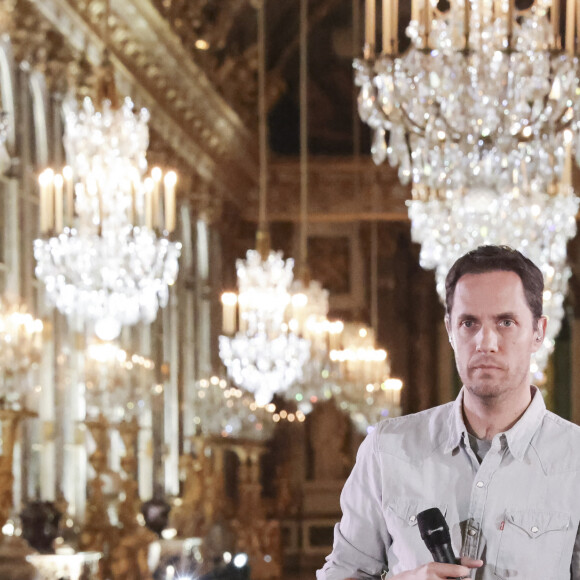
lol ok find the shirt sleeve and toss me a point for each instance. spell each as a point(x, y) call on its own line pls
point(361, 539)
point(575, 564)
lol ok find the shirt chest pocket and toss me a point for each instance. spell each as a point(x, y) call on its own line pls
point(407, 546)
point(531, 545)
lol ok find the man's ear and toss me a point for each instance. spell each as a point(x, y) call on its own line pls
point(540, 332)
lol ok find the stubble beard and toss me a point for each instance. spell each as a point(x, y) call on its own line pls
point(490, 391)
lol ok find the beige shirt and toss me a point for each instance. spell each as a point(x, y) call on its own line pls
point(519, 510)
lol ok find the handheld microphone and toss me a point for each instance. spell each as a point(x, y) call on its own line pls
point(435, 534)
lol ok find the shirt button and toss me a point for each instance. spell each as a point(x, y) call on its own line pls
point(535, 529)
point(472, 532)
point(480, 484)
point(412, 519)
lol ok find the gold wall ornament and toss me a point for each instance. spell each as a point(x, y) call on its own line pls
point(38, 44)
point(10, 420)
point(13, 564)
point(129, 555)
point(188, 516)
point(98, 534)
point(256, 535)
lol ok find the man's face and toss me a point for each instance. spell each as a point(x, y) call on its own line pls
point(493, 334)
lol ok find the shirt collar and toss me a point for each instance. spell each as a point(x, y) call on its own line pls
point(457, 429)
point(518, 437)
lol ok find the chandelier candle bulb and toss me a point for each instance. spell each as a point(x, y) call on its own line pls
point(510, 23)
point(570, 25)
point(149, 203)
point(415, 10)
point(46, 181)
point(68, 191)
point(466, 23)
point(387, 26)
point(42, 181)
point(169, 183)
point(370, 14)
point(156, 205)
point(58, 202)
point(427, 20)
point(229, 303)
point(555, 21)
point(577, 28)
point(395, 27)
point(50, 203)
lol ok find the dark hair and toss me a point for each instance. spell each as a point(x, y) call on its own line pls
point(492, 258)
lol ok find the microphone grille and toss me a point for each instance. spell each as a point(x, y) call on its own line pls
point(433, 527)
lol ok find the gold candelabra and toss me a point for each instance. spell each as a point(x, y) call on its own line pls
point(129, 557)
point(98, 534)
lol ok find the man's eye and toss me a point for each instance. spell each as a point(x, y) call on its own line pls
point(467, 323)
point(507, 323)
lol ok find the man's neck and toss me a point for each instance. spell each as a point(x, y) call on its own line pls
point(485, 418)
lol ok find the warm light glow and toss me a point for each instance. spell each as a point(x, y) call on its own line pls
point(156, 174)
point(229, 298)
point(299, 300)
point(201, 44)
point(393, 384)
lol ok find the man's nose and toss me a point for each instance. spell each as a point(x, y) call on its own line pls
point(487, 339)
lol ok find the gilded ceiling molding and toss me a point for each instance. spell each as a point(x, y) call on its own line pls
point(158, 73)
point(204, 28)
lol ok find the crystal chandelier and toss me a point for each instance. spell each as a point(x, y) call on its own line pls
point(361, 377)
point(481, 99)
point(117, 383)
point(308, 317)
point(226, 411)
point(308, 309)
point(106, 253)
point(264, 356)
point(482, 117)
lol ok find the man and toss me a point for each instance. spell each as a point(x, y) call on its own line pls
point(503, 470)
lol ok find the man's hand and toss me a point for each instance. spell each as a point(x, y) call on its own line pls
point(436, 571)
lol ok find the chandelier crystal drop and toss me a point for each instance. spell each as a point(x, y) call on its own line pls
point(264, 356)
point(481, 99)
point(106, 253)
